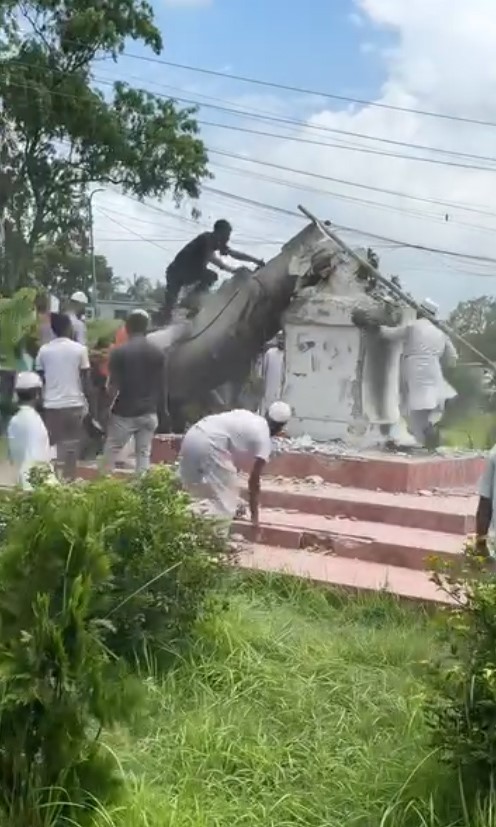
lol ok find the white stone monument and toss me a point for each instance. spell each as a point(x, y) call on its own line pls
point(341, 382)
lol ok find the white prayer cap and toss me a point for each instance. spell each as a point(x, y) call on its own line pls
point(140, 312)
point(27, 380)
point(430, 307)
point(79, 297)
point(279, 412)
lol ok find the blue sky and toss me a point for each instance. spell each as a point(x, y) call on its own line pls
point(315, 46)
point(397, 53)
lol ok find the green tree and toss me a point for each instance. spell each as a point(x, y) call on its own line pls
point(141, 289)
point(65, 134)
point(475, 320)
point(62, 270)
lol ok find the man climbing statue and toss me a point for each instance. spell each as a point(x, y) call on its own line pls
point(190, 266)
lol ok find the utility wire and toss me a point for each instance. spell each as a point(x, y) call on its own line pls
point(370, 187)
point(313, 92)
point(364, 233)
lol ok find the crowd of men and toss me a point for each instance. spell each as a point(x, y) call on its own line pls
point(58, 401)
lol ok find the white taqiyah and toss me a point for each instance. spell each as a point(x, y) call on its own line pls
point(279, 412)
point(430, 306)
point(79, 297)
point(27, 380)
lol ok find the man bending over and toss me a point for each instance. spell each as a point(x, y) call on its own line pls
point(212, 448)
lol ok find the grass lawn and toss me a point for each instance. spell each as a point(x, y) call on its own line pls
point(475, 432)
point(296, 708)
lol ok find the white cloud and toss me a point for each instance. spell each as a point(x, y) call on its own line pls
point(442, 61)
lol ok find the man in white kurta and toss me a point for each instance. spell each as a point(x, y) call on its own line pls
point(29, 445)
point(212, 450)
point(272, 374)
point(426, 390)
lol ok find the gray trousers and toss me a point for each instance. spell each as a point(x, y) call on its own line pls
point(419, 423)
point(119, 432)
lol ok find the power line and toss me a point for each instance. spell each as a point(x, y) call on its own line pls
point(323, 177)
point(344, 148)
point(129, 230)
point(364, 233)
point(338, 180)
point(344, 181)
point(257, 114)
point(314, 92)
point(353, 199)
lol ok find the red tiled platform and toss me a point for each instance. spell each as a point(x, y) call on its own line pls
point(436, 512)
point(362, 524)
point(348, 574)
point(391, 545)
point(373, 471)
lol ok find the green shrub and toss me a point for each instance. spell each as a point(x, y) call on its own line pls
point(166, 561)
point(91, 577)
point(59, 684)
point(461, 702)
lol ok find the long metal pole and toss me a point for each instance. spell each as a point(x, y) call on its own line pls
point(92, 250)
point(397, 291)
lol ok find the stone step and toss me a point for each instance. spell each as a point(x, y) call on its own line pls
point(389, 545)
point(342, 572)
point(454, 514)
point(371, 470)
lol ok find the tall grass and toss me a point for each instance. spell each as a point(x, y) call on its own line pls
point(296, 707)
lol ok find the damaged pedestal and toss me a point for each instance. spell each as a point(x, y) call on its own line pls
point(341, 382)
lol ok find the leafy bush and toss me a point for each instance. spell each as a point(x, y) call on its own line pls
point(461, 703)
point(59, 684)
point(90, 576)
point(166, 561)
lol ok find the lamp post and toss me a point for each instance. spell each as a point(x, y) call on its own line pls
point(92, 249)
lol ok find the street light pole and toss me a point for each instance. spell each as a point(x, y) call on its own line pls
point(92, 249)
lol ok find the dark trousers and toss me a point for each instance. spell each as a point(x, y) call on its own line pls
point(176, 281)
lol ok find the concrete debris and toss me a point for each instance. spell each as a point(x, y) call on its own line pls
point(337, 448)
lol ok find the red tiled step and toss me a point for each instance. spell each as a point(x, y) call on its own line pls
point(344, 573)
point(374, 542)
point(372, 470)
point(452, 514)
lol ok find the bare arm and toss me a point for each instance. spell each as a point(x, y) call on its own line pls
point(215, 259)
point(254, 489)
point(237, 256)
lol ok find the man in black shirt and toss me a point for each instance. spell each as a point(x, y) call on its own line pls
point(136, 383)
point(190, 266)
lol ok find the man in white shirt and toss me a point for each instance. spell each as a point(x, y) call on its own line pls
point(211, 449)
point(65, 369)
point(77, 312)
point(29, 445)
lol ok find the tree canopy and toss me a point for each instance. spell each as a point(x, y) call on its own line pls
point(63, 269)
point(62, 134)
point(475, 319)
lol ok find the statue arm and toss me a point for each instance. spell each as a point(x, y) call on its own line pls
point(393, 334)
